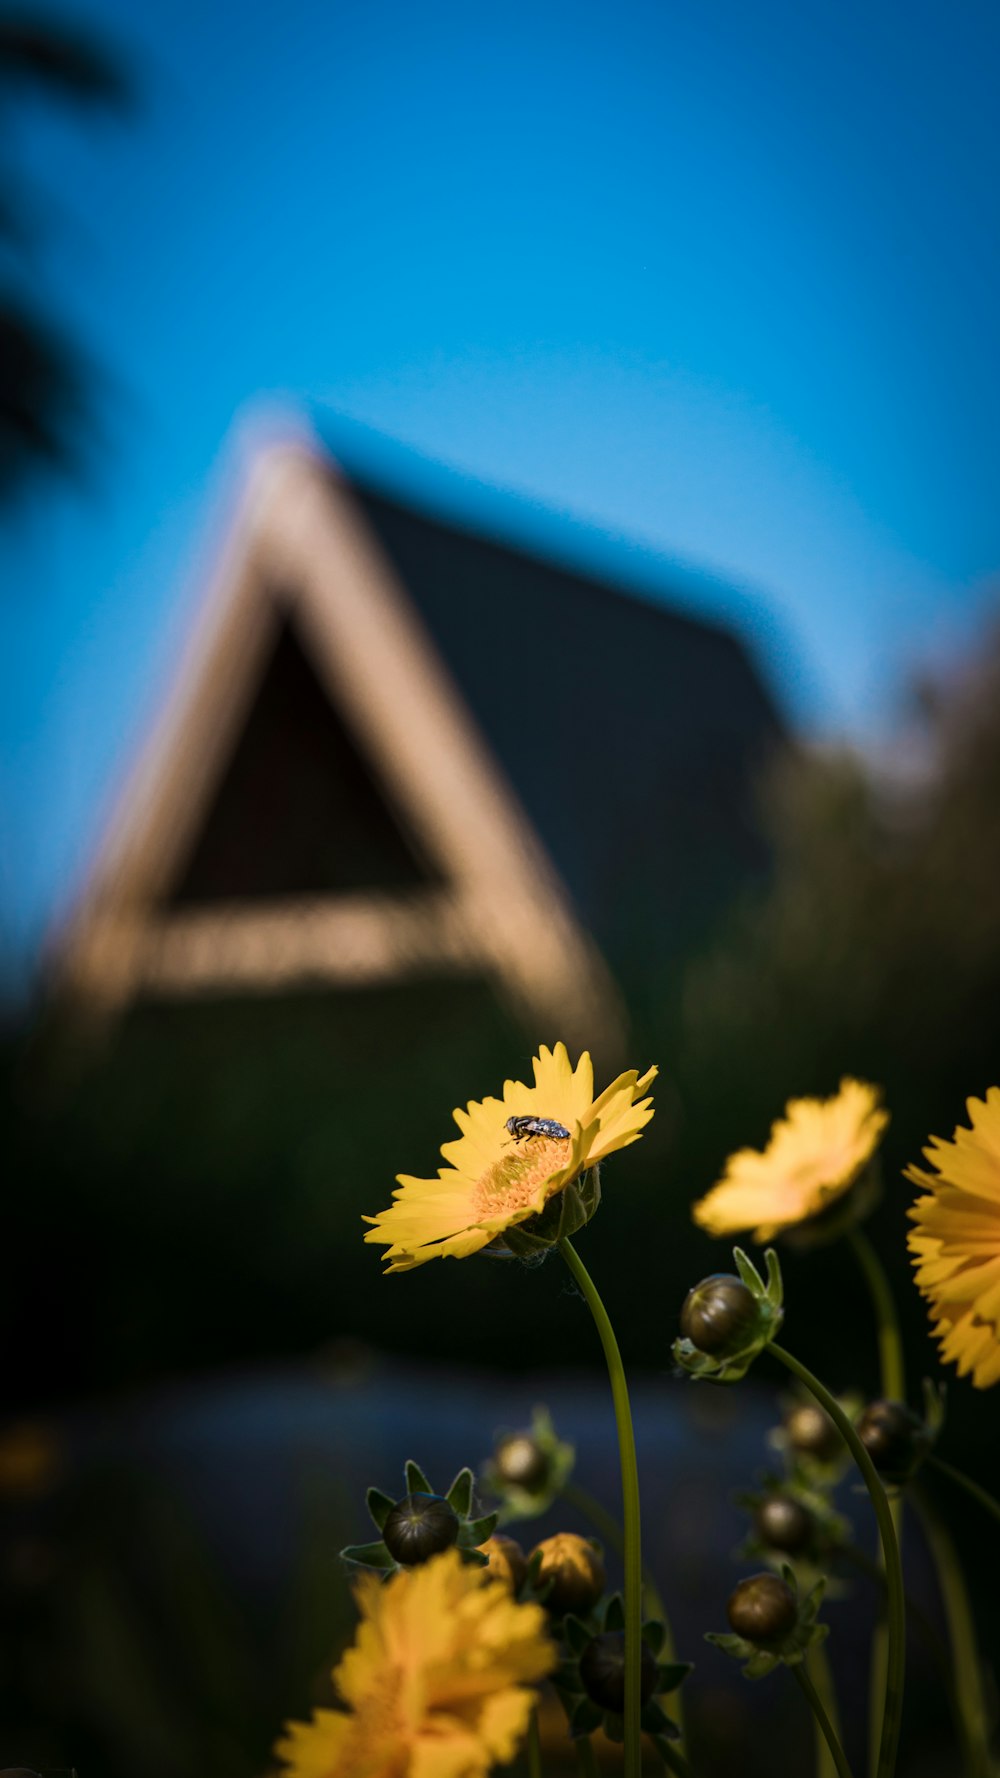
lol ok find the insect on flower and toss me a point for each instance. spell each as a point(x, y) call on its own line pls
point(523, 1127)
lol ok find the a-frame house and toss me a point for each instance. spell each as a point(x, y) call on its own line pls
point(318, 804)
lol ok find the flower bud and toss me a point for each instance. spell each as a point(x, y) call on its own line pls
point(763, 1609)
point(782, 1523)
point(894, 1437)
point(418, 1527)
point(812, 1433)
point(602, 1671)
point(521, 1460)
point(506, 1561)
point(719, 1315)
point(575, 1570)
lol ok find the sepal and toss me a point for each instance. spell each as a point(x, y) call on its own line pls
point(457, 1504)
point(565, 1214)
point(768, 1302)
point(459, 1495)
point(379, 1506)
point(368, 1555)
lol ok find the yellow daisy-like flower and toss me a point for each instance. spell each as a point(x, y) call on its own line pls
point(815, 1154)
point(492, 1182)
point(956, 1243)
point(437, 1684)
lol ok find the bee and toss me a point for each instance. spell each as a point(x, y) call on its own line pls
point(523, 1127)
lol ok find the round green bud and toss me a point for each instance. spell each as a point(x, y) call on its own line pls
point(763, 1609)
point(894, 1437)
point(720, 1315)
point(782, 1523)
point(521, 1461)
point(602, 1671)
point(418, 1527)
point(812, 1433)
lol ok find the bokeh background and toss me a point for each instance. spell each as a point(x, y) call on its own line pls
point(655, 345)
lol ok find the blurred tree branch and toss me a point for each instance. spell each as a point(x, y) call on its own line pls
point(44, 404)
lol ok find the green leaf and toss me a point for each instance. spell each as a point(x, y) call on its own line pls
point(370, 1555)
point(748, 1272)
point(774, 1291)
point(673, 1674)
point(474, 1558)
point(416, 1481)
point(614, 1613)
point(566, 1678)
point(655, 1721)
point(614, 1726)
point(476, 1531)
point(576, 1634)
point(379, 1505)
point(653, 1634)
point(459, 1495)
point(585, 1718)
point(729, 1644)
point(760, 1664)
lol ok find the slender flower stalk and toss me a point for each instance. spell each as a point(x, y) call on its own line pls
point(630, 1502)
point(968, 1703)
point(830, 1736)
point(895, 1599)
point(987, 1501)
point(890, 1342)
point(586, 1758)
point(819, 1671)
point(674, 1761)
point(534, 1747)
point(892, 1369)
point(608, 1527)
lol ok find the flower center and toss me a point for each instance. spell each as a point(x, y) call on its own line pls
point(511, 1185)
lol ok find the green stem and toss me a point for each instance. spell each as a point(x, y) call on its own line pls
point(893, 1697)
point(818, 1669)
point(971, 1717)
point(892, 1369)
point(890, 1344)
point(916, 1617)
point(630, 1503)
point(586, 1758)
point(672, 1759)
point(609, 1528)
point(985, 1500)
point(837, 1753)
point(534, 1747)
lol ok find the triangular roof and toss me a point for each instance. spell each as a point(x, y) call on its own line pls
point(305, 558)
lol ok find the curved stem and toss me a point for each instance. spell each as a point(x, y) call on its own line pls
point(893, 1698)
point(534, 1747)
point(966, 1693)
point(672, 1759)
point(818, 1669)
point(890, 1344)
point(586, 1758)
point(916, 1617)
point(892, 1374)
point(837, 1753)
point(611, 1531)
point(630, 1503)
point(985, 1500)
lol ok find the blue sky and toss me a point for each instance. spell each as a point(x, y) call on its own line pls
point(716, 282)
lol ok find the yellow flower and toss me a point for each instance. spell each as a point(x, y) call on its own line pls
point(492, 1182)
point(956, 1243)
point(815, 1154)
point(435, 1684)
